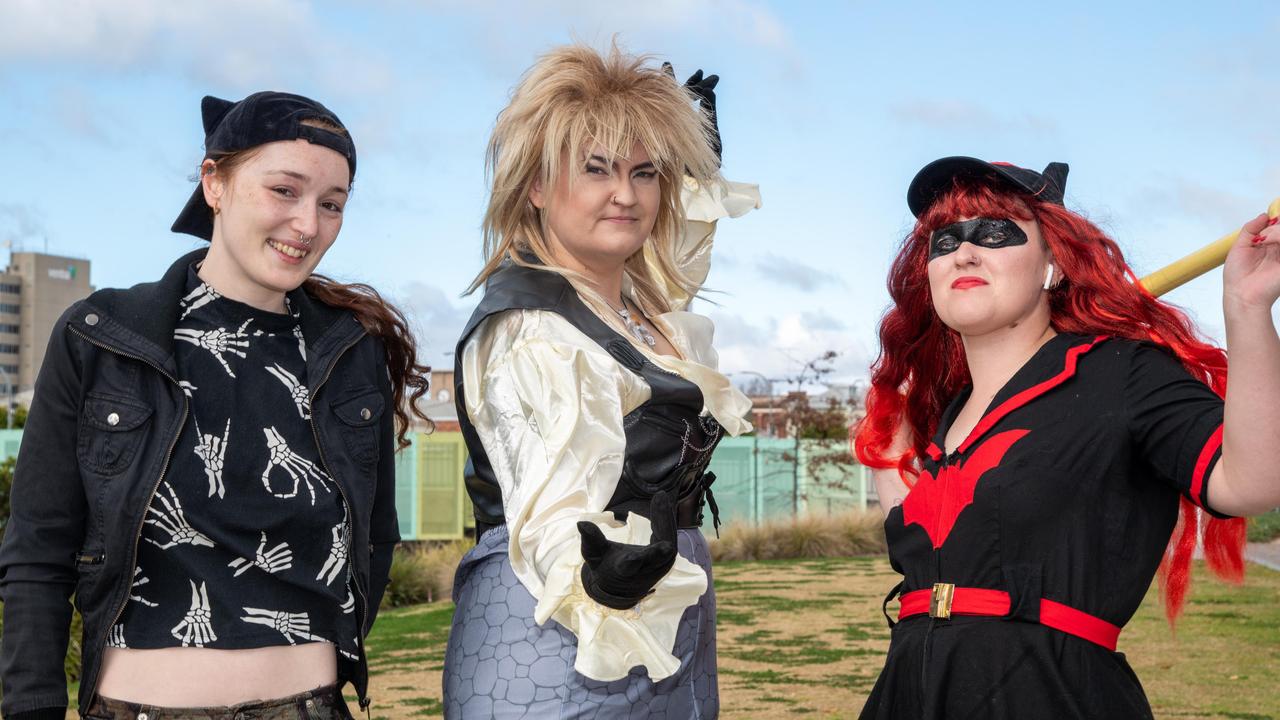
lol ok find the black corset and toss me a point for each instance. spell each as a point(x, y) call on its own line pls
point(669, 442)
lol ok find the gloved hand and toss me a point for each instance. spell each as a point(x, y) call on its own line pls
point(619, 575)
point(704, 89)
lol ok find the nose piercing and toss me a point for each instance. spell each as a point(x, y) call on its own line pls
point(306, 240)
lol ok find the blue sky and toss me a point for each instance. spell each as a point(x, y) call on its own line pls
point(1165, 112)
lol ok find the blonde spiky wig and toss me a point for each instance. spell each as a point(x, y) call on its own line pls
point(570, 100)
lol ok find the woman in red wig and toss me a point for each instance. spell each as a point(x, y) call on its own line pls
point(1049, 436)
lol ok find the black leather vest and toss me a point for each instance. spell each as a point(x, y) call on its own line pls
point(669, 443)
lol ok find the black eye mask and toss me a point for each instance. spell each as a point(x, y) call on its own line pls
point(983, 232)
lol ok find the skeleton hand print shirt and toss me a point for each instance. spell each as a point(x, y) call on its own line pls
point(246, 539)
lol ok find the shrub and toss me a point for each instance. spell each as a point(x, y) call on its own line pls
point(810, 536)
point(6, 484)
point(423, 572)
point(1265, 527)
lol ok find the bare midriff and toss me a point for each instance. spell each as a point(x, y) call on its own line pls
point(203, 677)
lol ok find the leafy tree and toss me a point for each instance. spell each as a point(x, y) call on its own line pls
point(823, 428)
point(6, 483)
point(19, 417)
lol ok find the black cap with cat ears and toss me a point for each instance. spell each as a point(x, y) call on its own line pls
point(261, 118)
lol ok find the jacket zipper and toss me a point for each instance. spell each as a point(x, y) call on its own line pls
point(364, 603)
point(133, 557)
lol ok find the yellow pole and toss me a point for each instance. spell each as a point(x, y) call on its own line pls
point(1197, 263)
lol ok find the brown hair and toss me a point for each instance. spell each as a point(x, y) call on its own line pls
point(385, 322)
point(378, 317)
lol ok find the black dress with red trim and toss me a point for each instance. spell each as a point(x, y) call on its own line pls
point(1027, 548)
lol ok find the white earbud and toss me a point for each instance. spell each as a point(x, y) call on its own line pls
point(1048, 277)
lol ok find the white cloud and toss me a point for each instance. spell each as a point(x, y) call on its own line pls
point(1189, 198)
point(822, 320)
point(953, 114)
point(744, 21)
point(436, 319)
point(794, 274)
point(506, 36)
point(238, 44)
point(20, 222)
point(780, 348)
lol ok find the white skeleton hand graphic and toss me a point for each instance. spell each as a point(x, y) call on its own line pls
point(286, 623)
point(302, 344)
point(116, 638)
point(337, 560)
point(297, 391)
point(196, 627)
point(212, 450)
point(299, 468)
point(173, 521)
point(138, 581)
point(187, 388)
point(274, 560)
point(349, 606)
point(350, 656)
point(197, 298)
point(218, 342)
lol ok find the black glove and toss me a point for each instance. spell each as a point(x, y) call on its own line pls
point(704, 89)
point(619, 575)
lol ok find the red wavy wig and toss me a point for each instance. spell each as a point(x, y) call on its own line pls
point(922, 363)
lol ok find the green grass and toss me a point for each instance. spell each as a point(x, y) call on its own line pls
point(1219, 663)
point(1265, 528)
point(413, 637)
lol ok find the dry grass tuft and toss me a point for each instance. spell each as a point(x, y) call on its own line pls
point(423, 572)
point(812, 536)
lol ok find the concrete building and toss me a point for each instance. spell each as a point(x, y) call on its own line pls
point(34, 291)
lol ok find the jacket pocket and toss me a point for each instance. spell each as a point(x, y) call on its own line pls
point(111, 430)
point(360, 415)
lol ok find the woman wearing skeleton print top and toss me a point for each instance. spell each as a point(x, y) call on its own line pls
point(1041, 422)
point(208, 461)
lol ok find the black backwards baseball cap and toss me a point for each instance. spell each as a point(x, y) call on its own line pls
point(936, 178)
point(259, 119)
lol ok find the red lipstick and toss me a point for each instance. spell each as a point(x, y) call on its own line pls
point(966, 282)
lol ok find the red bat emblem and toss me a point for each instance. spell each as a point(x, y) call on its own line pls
point(935, 503)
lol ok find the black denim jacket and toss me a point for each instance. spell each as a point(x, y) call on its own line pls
point(102, 426)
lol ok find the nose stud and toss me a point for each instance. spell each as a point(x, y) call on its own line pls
point(305, 240)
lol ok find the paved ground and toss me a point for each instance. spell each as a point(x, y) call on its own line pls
point(1265, 554)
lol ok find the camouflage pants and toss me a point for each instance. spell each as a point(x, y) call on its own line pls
point(324, 703)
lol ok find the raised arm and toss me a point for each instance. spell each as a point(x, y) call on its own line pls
point(1246, 481)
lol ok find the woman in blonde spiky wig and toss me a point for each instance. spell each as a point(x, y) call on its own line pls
point(590, 401)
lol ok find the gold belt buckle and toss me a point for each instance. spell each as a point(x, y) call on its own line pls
point(940, 600)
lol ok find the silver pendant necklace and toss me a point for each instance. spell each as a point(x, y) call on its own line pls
point(635, 328)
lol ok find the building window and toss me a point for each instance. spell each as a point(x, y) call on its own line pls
point(11, 369)
point(11, 349)
point(12, 289)
point(9, 329)
point(6, 308)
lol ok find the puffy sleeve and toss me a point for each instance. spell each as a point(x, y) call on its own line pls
point(1175, 421)
point(703, 206)
point(548, 405)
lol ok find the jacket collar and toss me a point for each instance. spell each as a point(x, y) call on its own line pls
point(141, 319)
point(1052, 365)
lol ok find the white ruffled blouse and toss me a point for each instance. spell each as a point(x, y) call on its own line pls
point(548, 402)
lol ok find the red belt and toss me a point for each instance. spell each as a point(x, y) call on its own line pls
point(945, 600)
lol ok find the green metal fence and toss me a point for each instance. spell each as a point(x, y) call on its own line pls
point(757, 480)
